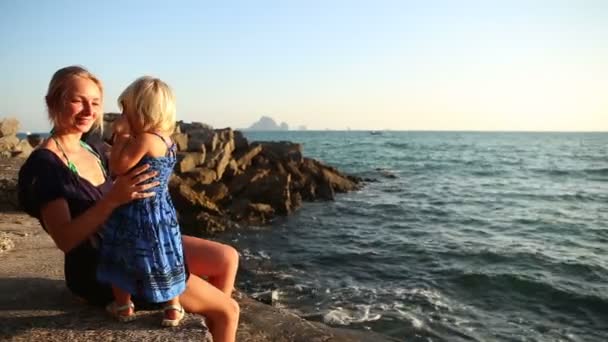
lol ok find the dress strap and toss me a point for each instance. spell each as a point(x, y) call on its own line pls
point(170, 148)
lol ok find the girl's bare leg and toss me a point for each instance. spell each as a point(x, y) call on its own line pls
point(122, 298)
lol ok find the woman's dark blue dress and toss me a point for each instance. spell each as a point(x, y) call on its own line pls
point(141, 245)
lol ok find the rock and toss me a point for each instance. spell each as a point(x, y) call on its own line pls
point(281, 151)
point(181, 140)
point(322, 181)
point(225, 135)
point(8, 127)
point(211, 224)
point(23, 149)
point(231, 170)
point(8, 143)
point(189, 128)
point(201, 175)
point(199, 135)
point(240, 142)
point(243, 210)
point(216, 192)
point(245, 158)
point(197, 144)
point(8, 194)
point(272, 189)
point(188, 161)
point(34, 140)
point(270, 297)
point(187, 200)
point(219, 159)
point(238, 184)
point(219, 173)
point(6, 243)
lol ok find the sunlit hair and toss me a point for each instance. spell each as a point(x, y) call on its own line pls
point(150, 103)
point(58, 87)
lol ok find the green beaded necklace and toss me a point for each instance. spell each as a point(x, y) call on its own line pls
point(71, 165)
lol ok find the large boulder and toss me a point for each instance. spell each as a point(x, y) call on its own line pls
point(189, 201)
point(8, 144)
point(23, 149)
point(281, 151)
point(244, 158)
point(219, 158)
point(201, 175)
point(189, 128)
point(9, 127)
point(188, 161)
point(217, 192)
point(181, 140)
point(245, 211)
point(273, 189)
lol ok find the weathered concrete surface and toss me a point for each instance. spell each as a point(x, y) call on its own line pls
point(36, 306)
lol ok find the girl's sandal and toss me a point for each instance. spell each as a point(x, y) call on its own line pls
point(173, 322)
point(118, 311)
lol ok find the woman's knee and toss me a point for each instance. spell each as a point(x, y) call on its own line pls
point(229, 312)
point(231, 256)
point(234, 310)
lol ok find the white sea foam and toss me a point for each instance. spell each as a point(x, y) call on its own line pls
point(264, 254)
point(343, 316)
point(416, 322)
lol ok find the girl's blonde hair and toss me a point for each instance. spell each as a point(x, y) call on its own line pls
point(151, 103)
point(56, 95)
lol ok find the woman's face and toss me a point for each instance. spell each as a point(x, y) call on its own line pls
point(82, 106)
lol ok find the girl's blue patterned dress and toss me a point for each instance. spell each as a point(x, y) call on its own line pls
point(141, 247)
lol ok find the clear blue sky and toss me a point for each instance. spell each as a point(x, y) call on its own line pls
point(480, 65)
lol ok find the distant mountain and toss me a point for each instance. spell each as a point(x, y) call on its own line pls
point(266, 123)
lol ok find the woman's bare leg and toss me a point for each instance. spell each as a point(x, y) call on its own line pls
point(216, 261)
point(221, 310)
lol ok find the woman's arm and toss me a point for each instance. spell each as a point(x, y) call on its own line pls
point(68, 232)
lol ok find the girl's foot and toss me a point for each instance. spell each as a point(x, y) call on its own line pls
point(172, 315)
point(123, 313)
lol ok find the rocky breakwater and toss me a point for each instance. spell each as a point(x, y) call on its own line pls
point(222, 180)
point(10, 145)
point(12, 153)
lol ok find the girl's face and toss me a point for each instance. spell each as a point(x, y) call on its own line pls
point(82, 106)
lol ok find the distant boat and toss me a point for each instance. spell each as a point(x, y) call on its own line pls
point(375, 132)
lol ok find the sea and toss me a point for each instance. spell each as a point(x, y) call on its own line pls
point(456, 236)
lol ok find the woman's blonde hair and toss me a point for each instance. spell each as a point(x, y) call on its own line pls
point(151, 103)
point(56, 95)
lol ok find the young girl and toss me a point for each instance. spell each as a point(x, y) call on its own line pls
point(141, 250)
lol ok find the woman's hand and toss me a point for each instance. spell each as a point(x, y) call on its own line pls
point(127, 187)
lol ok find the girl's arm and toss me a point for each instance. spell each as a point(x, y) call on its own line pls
point(68, 232)
point(126, 152)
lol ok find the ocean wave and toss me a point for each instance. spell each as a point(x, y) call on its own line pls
point(602, 171)
point(566, 197)
point(528, 289)
point(346, 316)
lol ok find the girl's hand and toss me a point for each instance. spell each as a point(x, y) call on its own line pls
point(127, 187)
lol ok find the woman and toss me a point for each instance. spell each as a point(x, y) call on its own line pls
point(64, 184)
